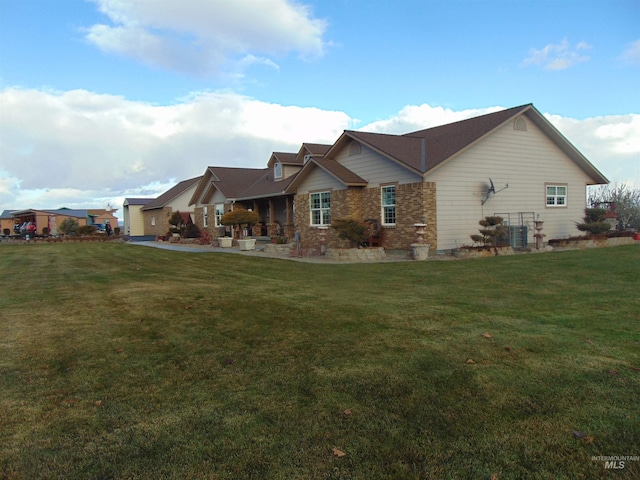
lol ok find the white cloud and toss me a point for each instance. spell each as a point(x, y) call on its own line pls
point(78, 144)
point(204, 37)
point(611, 143)
point(632, 53)
point(81, 149)
point(557, 56)
point(419, 117)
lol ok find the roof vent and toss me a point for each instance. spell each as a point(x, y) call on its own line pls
point(307, 158)
point(520, 124)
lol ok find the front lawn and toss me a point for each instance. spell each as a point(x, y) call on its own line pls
point(120, 361)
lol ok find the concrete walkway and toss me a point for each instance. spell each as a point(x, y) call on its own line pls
point(259, 252)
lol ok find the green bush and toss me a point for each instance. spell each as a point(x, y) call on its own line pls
point(351, 229)
point(69, 226)
point(594, 221)
point(191, 231)
point(492, 233)
point(86, 230)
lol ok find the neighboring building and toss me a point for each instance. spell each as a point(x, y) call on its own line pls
point(133, 219)
point(51, 219)
point(511, 163)
point(157, 212)
point(7, 221)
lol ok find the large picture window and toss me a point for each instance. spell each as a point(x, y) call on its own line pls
point(320, 204)
point(556, 195)
point(389, 205)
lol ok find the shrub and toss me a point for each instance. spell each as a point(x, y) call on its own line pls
point(69, 226)
point(191, 231)
point(350, 229)
point(116, 231)
point(492, 233)
point(594, 221)
point(86, 230)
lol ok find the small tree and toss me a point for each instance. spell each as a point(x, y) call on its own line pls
point(594, 221)
point(240, 217)
point(492, 232)
point(350, 229)
point(69, 226)
point(176, 221)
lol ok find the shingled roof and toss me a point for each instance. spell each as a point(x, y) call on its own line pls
point(424, 150)
point(170, 194)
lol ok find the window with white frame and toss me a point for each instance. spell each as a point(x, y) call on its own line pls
point(556, 195)
point(153, 221)
point(219, 208)
point(277, 170)
point(389, 205)
point(320, 205)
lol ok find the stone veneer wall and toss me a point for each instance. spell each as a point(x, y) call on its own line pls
point(413, 201)
point(161, 216)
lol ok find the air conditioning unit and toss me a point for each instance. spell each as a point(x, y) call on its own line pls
point(518, 236)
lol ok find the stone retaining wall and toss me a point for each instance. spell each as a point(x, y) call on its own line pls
point(590, 243)
point(277, 249)
point(355, 254)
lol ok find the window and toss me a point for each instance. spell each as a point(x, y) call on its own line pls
point(277, 170)
point(219, 213)
point(354, 148)
point(320, 204)
point(389, 205)
point(556, 195)
point(153, 221)
point(205, 216)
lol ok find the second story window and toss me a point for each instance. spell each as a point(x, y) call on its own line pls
point(277, 170)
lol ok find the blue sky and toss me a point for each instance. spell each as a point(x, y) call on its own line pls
point(104, 99)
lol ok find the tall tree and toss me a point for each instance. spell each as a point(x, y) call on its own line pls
point(626, 201)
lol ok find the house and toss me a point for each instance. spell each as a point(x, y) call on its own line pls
point(157, 212)
point(262, 190)
point(512, 163)
point(133, 219)
point(51, 219)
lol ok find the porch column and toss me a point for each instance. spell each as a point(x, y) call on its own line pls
point(272, 220)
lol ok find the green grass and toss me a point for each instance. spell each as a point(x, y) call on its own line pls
point(105, 372)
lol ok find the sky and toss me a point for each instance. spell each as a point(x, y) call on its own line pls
point(101, 100)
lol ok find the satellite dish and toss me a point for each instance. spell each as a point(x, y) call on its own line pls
point(492, 190)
